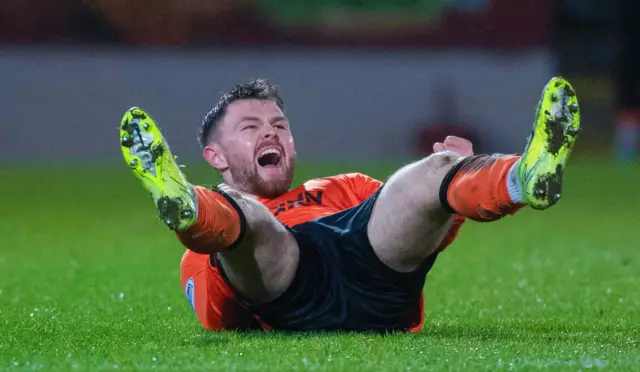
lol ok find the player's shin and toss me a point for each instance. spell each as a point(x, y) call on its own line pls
point(482, 187)
point(219, 224)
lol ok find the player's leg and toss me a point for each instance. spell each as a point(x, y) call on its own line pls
point(415, 209)
point(262, 262)
point(259, 255)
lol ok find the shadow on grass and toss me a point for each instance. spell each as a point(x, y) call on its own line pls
point(212, 338)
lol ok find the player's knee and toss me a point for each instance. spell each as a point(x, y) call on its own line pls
point(442, 161)
point(420, 182)
point(431, 170)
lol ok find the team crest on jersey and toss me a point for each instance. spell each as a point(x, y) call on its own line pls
point(189, 290)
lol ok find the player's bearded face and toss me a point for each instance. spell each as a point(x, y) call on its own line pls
point(259, 148)
point(267, 173)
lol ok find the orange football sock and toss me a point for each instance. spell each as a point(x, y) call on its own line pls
point(477, 188)
point(219, 225)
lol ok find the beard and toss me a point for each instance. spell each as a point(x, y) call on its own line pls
point(246, 177)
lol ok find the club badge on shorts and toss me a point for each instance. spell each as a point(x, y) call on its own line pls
point(189, 289)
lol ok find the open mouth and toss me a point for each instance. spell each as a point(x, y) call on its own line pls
point(269, 157)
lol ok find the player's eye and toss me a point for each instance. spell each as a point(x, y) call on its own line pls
point(249, 127)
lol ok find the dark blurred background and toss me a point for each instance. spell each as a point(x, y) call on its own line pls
point(396, 74)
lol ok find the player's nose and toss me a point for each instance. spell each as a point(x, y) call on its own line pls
point(270, 132)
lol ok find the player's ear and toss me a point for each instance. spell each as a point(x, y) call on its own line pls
point(214, 156)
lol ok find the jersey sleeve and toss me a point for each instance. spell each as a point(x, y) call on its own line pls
point(361, 185)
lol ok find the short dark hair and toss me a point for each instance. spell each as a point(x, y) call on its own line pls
point(255, 88)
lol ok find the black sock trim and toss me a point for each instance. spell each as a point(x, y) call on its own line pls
point(243, 219)
point(444, 186)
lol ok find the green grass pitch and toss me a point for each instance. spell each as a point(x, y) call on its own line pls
point(89, 281)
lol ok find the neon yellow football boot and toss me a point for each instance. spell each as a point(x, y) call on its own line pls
point(148, 155)
point(556, 127)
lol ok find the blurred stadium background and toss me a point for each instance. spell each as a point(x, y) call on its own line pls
point(394, 74)
point(89, 280)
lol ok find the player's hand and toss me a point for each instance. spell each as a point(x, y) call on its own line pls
point(455, 144)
